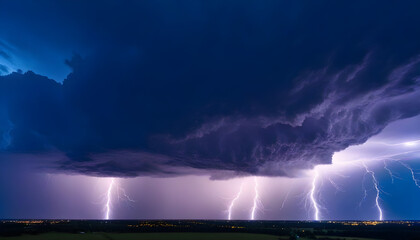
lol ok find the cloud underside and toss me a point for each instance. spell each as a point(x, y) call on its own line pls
point(108, 123)
point(258, 90)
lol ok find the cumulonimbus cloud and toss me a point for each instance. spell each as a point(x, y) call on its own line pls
point(117, 126)
point(167, 98)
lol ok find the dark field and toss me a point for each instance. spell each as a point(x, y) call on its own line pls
point(162, 236)
point(206, 230)
point(145, 236)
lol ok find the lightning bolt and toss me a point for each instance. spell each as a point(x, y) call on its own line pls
point(232, 203)
point(257, 200)
point(335, 185)
point(316, 185)
point(284, 200)
point(413, 174)
point(114, 188)
point(312, 196)
point(364, 191)
point(376, 186)
point(389, 171)
point(124, 196)
point(108, 202)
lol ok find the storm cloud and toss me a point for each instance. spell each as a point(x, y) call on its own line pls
point(220, 89)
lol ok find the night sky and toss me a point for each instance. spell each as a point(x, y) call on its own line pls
point(210, 109)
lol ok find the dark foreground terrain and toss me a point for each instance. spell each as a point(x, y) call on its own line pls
point(206, 230)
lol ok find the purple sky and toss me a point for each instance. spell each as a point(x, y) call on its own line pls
point(339, 189)
point(163, 110)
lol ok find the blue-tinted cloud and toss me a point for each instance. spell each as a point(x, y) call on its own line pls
point(264, 88)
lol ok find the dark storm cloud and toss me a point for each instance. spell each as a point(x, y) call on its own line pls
point(256, 88)
point(4, 55)
point(3, 69)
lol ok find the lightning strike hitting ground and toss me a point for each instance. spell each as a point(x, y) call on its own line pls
point(232, 203)
point(312, 196)
point(396, 156)
point(257, 201)
point(114, 188)
point(108, 202)
point(376, 186)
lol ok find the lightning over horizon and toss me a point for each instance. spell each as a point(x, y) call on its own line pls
point(108, 201)
point(114, 188)
point(256, 201)
point(312, 196)
point(396, 155)
point(377, 189)
point(232, 203)
point(222, 110)
point(316, 185)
